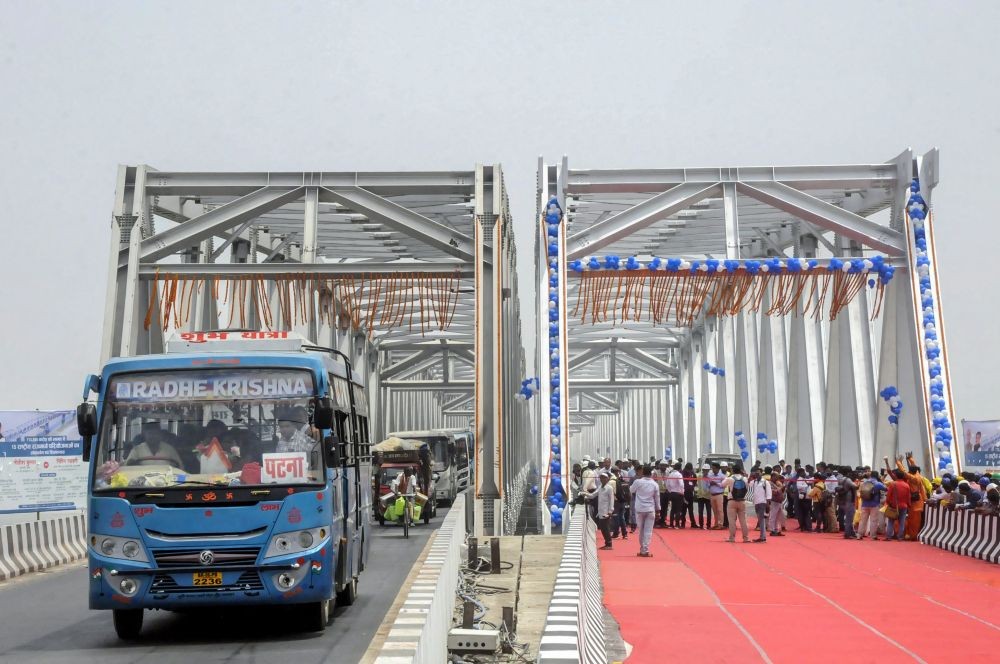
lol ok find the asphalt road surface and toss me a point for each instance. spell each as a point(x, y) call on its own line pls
point(44, 618)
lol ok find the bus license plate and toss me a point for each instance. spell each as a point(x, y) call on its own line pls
point(207, 579)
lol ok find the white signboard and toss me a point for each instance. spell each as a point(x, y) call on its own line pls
point(284, 468)
point(218, 384)
point(41, 467)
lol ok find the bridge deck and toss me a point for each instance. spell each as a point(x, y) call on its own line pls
point(797, 596)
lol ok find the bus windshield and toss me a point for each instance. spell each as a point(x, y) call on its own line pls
point(217, 427)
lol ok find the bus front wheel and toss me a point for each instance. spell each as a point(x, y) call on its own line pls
point(128, 623)
point(317, 615)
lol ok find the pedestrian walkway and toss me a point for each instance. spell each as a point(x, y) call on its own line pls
point(795, 596)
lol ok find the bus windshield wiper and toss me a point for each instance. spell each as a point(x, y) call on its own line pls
point(198, 483)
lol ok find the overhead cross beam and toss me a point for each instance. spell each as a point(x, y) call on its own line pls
point(402, 220)
point(825, 215)
point(637, 217)
point(224, 217)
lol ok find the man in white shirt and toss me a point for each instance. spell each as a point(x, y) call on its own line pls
point(675, 491)
point(647, 507)
point(760, 493)
point(605, 498)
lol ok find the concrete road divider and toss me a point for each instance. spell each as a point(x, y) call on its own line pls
point(419, 634)
point(574, 628)
point(31, 546)
point(963, 532)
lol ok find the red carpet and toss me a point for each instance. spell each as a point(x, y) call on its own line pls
point(799, 597)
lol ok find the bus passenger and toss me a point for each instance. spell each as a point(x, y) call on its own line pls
point(291, 438)
point(153, 450)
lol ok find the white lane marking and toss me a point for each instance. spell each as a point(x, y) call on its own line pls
point(905, 587)
point(834, 604)
point(718, 603)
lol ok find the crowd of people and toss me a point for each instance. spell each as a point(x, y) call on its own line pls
point(862, 502)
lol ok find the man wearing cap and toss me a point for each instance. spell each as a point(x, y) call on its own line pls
point(972, 496)
point(737, 506)
point(604, 498)
point(646, 495)
point(715, 491)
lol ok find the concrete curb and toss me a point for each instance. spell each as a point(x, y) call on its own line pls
point(574, 628)
point(420, 631)
point(36, 545)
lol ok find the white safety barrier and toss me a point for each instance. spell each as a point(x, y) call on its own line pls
point(963, 532)
point(574, 627)
point(419, 633)
point(36, 545)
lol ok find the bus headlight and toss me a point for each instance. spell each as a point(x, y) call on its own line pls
point(119, 547)
point(294, 541)
point(436, 476)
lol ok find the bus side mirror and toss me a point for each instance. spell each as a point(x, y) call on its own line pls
point(323, 413)
point(332, 451)
point(86, 419)
point(86, 424)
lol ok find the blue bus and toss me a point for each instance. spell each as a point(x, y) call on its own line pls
point(234, 469)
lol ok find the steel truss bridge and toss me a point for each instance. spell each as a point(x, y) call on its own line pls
point(645, 382)
point(413, 276)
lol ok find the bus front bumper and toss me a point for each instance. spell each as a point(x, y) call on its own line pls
point(116, 584)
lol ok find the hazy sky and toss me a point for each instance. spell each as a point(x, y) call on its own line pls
point(429, 85)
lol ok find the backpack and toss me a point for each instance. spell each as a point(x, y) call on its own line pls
point(867, 490)
point(623, 494)
point(740, 489)
point(827, 499)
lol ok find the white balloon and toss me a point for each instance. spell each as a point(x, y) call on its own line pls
point(703, 267)
point(720, 268)
point(685, 265)
point(765, 267)
point(847, 266)
point(868, 264)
